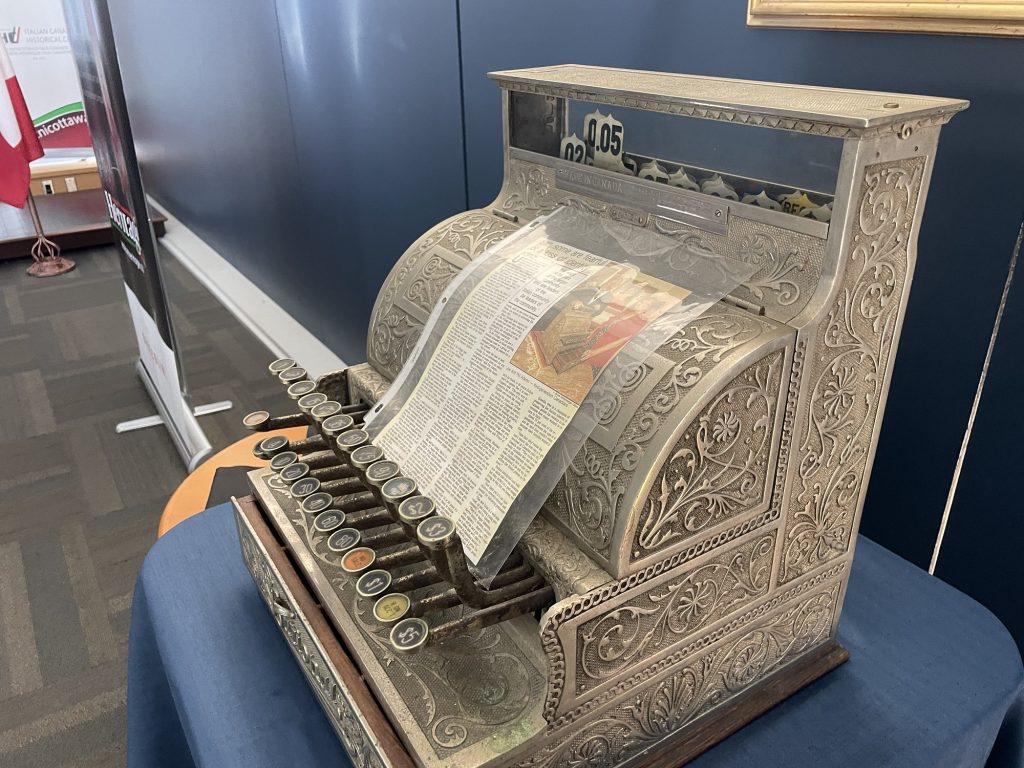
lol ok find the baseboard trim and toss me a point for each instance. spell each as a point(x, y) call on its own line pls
point(283, 335)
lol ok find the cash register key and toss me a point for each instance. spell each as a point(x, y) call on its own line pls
point(325, 409)
point(330, 520)
point(393, 493)
point(300, 389)
point(373, 583)
point(293, 374)
point(358, 560)
point(271, 446)
point(352, 439)
point(409, 635)
point(308, 402)
point(416, 508)
point(280, 365)
point(380, 473)
point(259, 453)
point(295, 471)
point(397, 489)
point(365, 455)
point(391, 608)
point(344, 539)
point(335, 425)
point(435, 532)
point(253, 421)
point(283, 459)
point(316, 502)
point(307, 486)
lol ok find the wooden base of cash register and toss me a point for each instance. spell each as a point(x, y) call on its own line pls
point(703, 735)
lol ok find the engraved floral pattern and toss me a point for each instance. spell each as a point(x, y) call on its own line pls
point(531, 191)
point(719, 467)
point(703, 681)
point(393, 331)
point(567, 569)
point(669, 612)
point(587, 500)
point(428, 286)
point(393, 337)
point(850, 361)
point(776, 265)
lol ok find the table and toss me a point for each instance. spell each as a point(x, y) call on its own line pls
point(934, 679)
point(218, 478)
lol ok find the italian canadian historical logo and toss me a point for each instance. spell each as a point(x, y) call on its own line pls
point(125, 224)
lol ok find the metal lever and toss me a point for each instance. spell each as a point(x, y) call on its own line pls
point(262, 421)
point(413, 633)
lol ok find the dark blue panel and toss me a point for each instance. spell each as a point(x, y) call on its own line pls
point(981, 553)
point(309, 143)
point(972, 214)
point(376, 110)
point(209, 110)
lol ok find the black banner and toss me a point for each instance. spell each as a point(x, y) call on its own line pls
point(92, 42)
point(159, 367)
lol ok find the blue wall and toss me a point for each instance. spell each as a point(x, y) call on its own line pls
point(297, 137)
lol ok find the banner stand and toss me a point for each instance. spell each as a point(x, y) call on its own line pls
point(159, 365)
point(188, 436)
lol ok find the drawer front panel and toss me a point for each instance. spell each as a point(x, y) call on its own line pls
point(324, 679)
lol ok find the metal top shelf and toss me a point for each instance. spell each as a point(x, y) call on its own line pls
point(831, 111)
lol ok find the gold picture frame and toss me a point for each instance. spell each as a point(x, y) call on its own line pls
point(973, 17)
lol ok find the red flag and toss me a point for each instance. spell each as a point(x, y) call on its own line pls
point(19, 144)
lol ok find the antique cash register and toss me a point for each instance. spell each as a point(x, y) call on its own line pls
point(688, 569)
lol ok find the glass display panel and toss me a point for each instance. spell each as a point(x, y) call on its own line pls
point(768, 168)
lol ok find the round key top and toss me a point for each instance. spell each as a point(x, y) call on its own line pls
point(397, 488)
point(317, 502)
point(329, 521)
point(280, 365)
point(308, 402)
point(352, 439)
point(343, 540)
point(283, 459)
point(409, 635)
point(380, 472)
point(373, 583)
point(391, 608)
point(300, 389)
point(293, 374)
point(273, 444)
point(365, 455)
point(256, 419)
point(435, 531)
point(304, 487)
point(292, 472)
point(325, 409)
point(416, 508)
point(358, 560)
point(335, 425)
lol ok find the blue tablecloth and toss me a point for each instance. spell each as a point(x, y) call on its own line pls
point(934, 680)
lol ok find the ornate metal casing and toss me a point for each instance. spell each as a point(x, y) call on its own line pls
point(701, 541)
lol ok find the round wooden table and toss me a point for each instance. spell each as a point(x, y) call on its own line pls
point(191, 497)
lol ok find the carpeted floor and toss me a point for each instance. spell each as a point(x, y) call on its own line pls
point(79, 503)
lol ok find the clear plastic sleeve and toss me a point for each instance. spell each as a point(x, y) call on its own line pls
point(601, 297)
